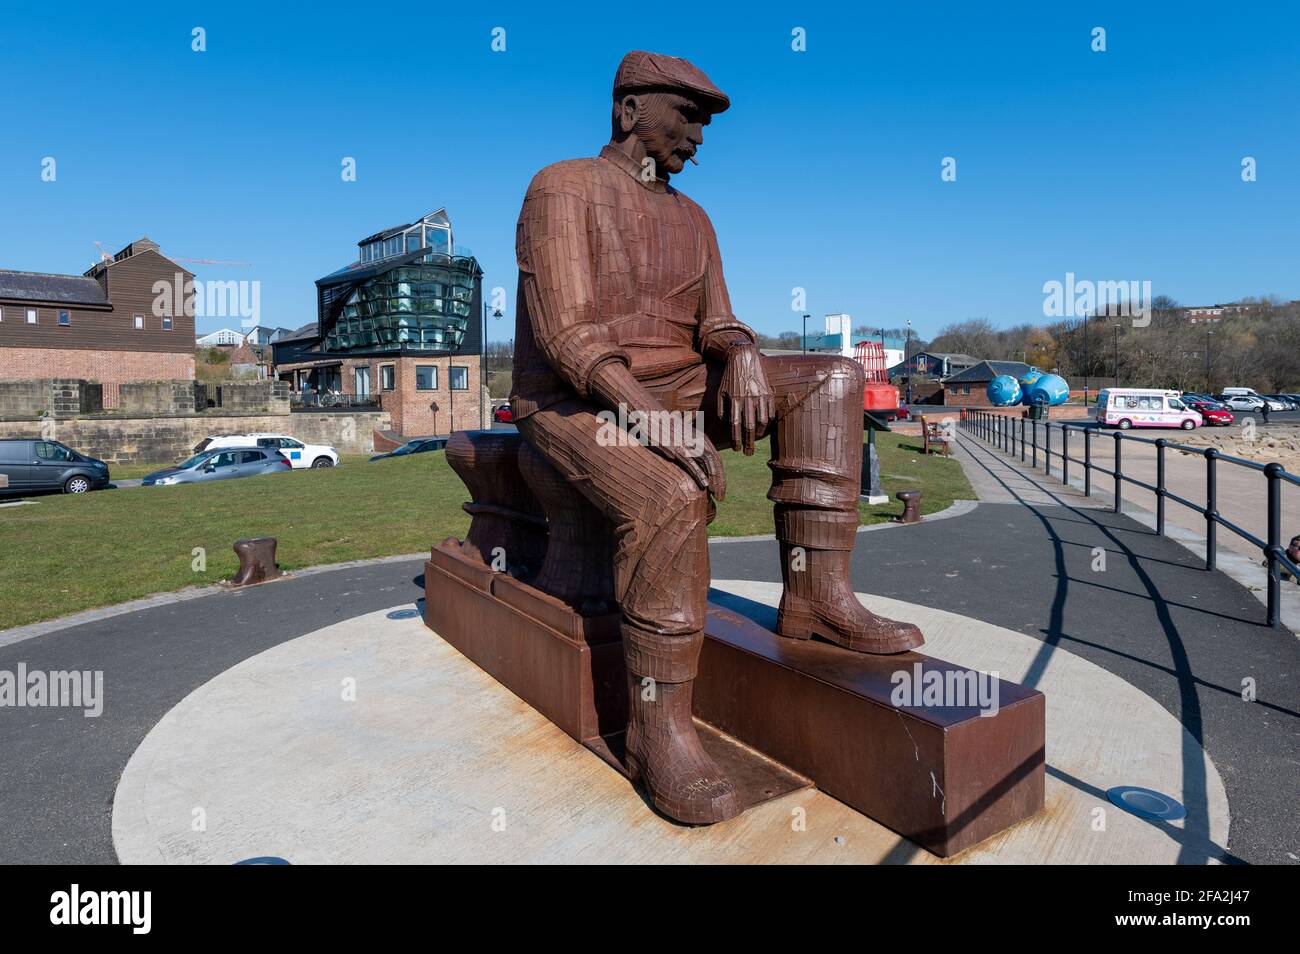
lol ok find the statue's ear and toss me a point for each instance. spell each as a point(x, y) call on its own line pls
point(628, 108)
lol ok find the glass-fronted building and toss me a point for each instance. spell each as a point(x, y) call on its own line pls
point(411, 289)
point(400, 327)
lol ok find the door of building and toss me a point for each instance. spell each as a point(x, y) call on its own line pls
point(363, 384)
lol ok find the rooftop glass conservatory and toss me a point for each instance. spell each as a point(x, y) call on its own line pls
point(411, 288)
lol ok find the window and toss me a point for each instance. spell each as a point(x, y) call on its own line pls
point(386, 377)
point(139, 322)
point(167, 323)
point(251, 457)
point(2, 313)
point(31, 316)
point(65, 319)
point(426, 377)
point(459, 379)
point(48, 451)
point(224, 459)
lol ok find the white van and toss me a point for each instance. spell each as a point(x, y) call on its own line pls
point(1144, 407)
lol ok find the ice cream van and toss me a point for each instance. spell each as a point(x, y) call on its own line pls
point(1144, 407)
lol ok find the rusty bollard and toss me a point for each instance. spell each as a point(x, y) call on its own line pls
point(256, 562)
point(911, 506)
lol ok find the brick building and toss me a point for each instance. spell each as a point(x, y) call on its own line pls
point(400, 328)
point(969, 388)
point(108, 325)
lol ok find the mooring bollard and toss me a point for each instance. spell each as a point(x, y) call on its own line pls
point(911, 506)
point(256, 562)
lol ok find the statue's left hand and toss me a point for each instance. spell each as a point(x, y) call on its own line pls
point(745, 396)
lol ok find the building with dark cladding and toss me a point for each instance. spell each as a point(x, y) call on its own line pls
point(401, 328)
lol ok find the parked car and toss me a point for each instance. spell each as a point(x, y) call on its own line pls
point(1212, 412)
point(1279, 402)
point(34, 465)
point(223, 463)
point(1242, 402)
point(417, 446)
point(299, 455)
point(1144, 407)
point(504, 415)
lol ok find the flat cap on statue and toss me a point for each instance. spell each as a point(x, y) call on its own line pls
point(642, 70)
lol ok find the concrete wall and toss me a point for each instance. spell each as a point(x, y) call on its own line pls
point(168, 439)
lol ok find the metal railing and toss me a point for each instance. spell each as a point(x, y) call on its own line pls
point(1007, 433)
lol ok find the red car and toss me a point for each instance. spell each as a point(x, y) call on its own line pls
point(1212, 413)
point(503, 415)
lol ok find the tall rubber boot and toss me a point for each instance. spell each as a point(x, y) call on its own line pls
point(663, 749)
point(818, 599)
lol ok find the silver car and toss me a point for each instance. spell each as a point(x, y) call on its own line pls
point(224, 463)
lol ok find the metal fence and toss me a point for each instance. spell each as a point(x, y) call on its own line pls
point(1008, 434)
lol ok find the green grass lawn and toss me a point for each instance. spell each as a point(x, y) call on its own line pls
point(68, 553)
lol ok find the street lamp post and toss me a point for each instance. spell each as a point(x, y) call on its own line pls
point(1207, 359)
point(1116, 355)
point(483, 369)
point(1085, 361)
point(907, 349)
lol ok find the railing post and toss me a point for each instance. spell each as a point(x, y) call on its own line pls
point(1211, 507)
point(1047, 449)
point(1022, 440)
point(1087, 462)
point(1160, 486)
point(1119, 480)
point(1034, 427)
point(1065, 454)
point(1272, 472)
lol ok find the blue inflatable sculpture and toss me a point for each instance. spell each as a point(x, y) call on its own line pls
point(1049, 390)
point(1034, 389)
point(1003, 391)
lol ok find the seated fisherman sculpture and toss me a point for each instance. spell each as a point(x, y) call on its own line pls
point(623, 308)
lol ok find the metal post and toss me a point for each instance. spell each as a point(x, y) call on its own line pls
point(1022, 440)
point(1272, 472)
point(1119, 481)
point(1160, 486)
point(1211, 507)
point(1047, 449)
point(1065, 455)
point(1087, 462)
point(1034, 427)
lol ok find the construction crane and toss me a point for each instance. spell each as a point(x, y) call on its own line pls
point(209, 261)
point(107, 256)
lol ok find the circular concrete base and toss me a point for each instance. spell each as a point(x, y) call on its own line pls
point(373, 741)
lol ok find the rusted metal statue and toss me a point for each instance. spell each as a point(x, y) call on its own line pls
point(623, 315)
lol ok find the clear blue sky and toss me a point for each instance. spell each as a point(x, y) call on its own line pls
point(825, 173)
